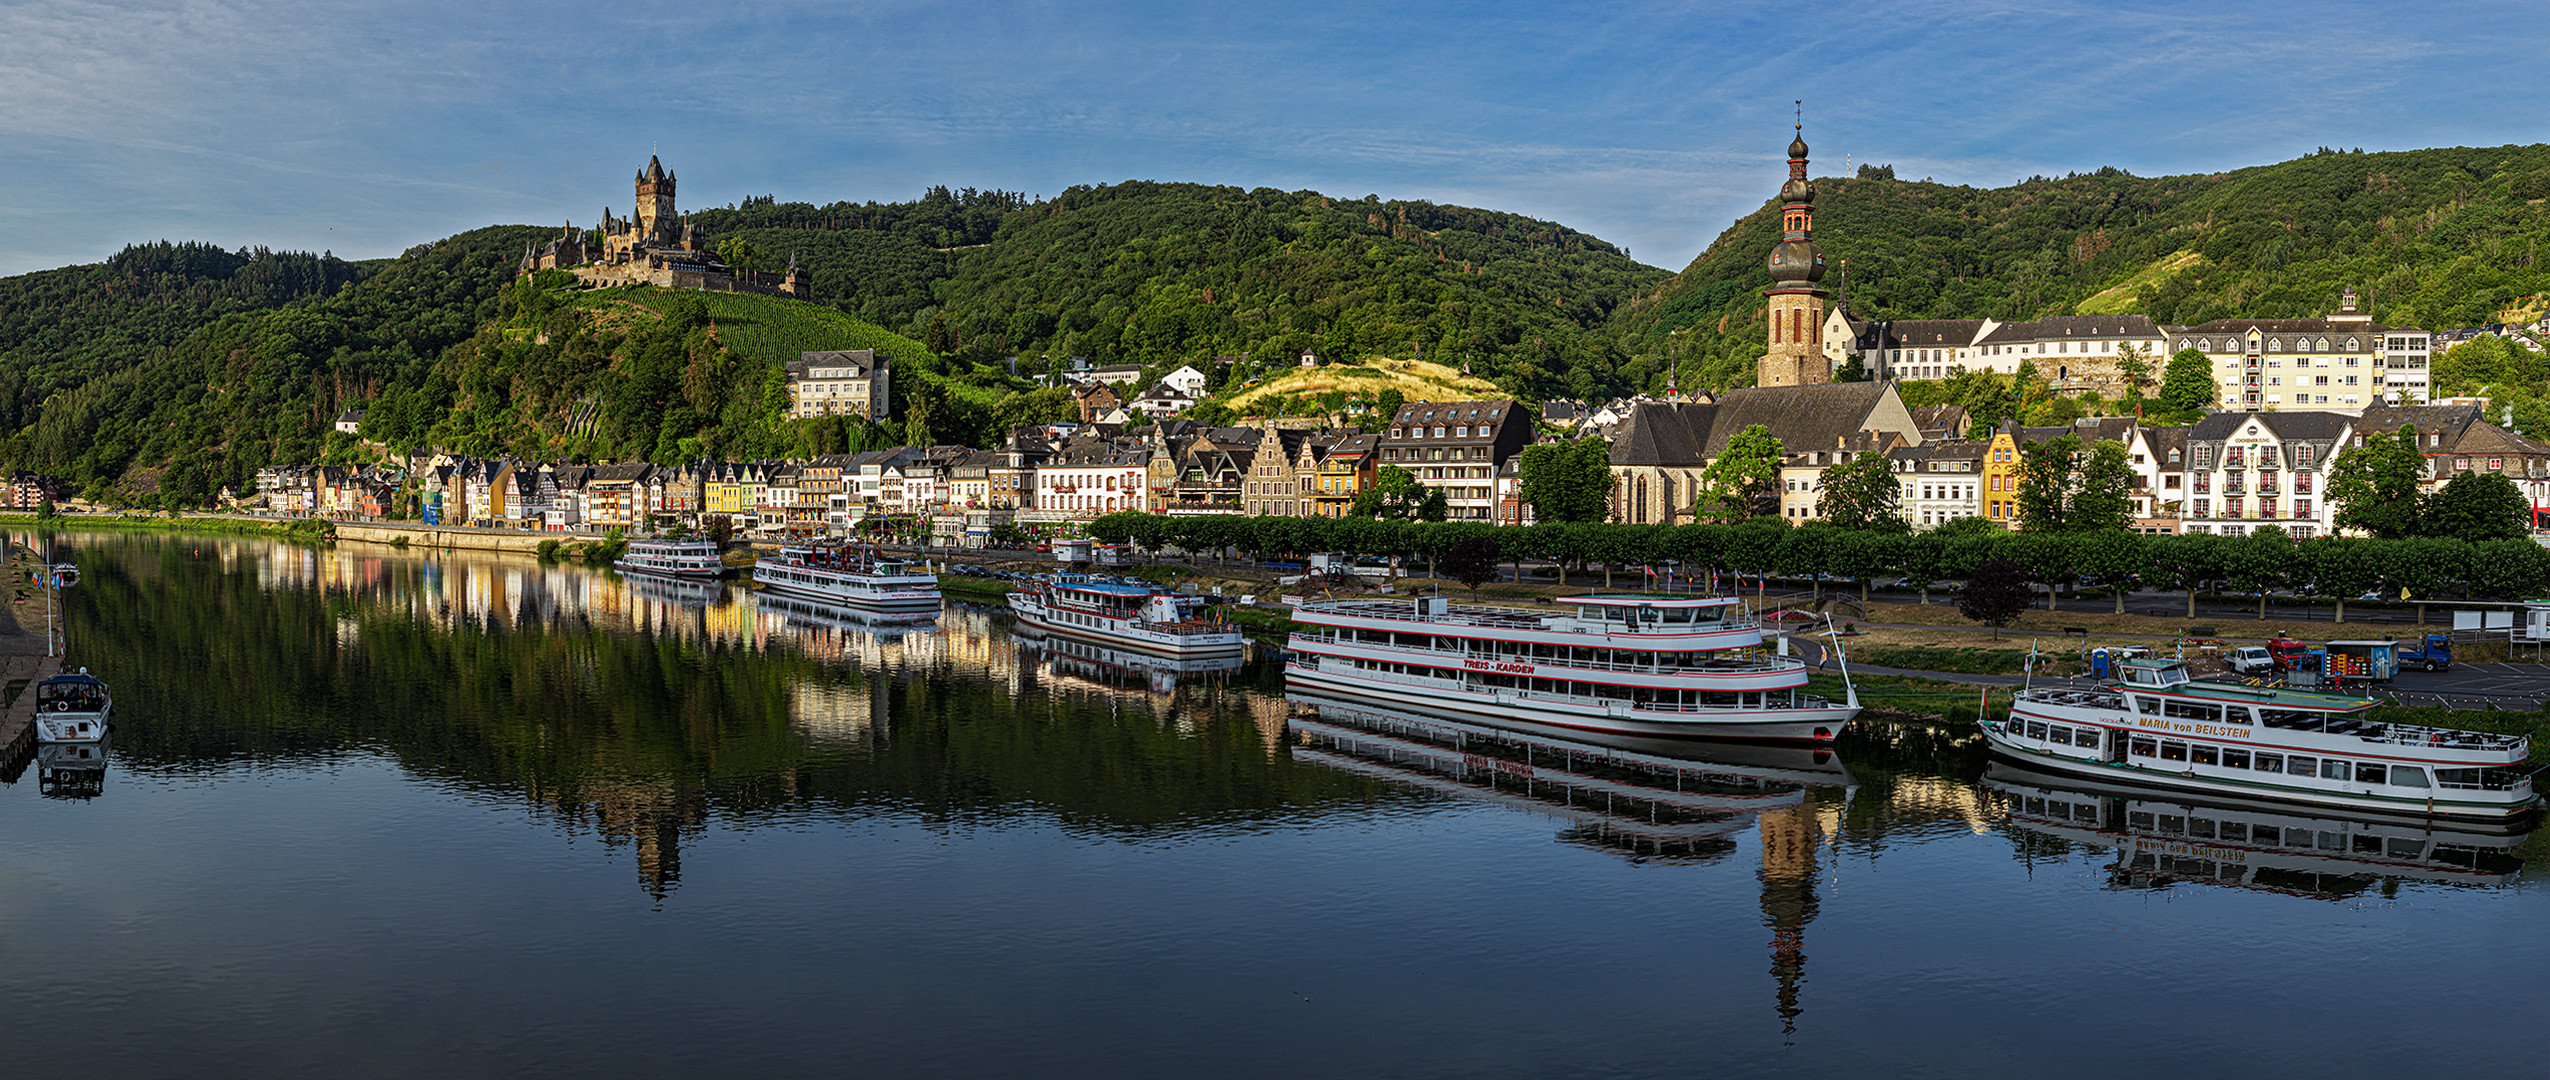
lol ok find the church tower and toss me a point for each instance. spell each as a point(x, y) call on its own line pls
point(657, 222)
point(1796, 356)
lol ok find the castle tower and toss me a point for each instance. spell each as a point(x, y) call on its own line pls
point(1796, 356)
point(657, 223)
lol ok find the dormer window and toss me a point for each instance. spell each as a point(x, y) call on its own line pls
point(1438, 432)
point(1461, 432)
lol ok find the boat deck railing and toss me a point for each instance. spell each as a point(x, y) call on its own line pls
point(2090, 699)
point(1556, 663)
point(1509, 618)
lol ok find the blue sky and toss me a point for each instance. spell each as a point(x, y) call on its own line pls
point(365, 128)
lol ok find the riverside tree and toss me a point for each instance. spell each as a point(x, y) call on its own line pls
point(2375, 485)
point(1569, 481)
point(1996, 592)
point(2476, 507)
point(1863, 493)
point(1743, 482)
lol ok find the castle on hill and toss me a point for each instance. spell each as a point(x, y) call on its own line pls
point(657, 247)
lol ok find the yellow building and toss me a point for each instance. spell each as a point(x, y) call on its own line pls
point(2001, 479)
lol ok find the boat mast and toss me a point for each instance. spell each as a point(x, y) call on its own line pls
point(1841, 657)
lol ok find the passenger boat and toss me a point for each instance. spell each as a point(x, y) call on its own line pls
point(1677, 666)
point(842, 574)
point(673, 558)
point(71, 770)
point(1135, 617)
point(2163, 840)
point(799, 613)
point(72, 708)
point(2161, 728)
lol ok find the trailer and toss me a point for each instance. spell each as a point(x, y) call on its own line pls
point(2364, 661)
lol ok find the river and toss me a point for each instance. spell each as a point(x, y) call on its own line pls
point(375, 812)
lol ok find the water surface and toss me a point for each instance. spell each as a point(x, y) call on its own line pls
point(390, 813)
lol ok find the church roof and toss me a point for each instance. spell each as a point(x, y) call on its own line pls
point(1821, 416)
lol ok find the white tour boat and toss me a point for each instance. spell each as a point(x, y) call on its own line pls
point(855, 576)
point(2159, 727)
point(1134, 617)
point(673, 558)
point(2256, 845)
point(72, 708)
point(1634, 665)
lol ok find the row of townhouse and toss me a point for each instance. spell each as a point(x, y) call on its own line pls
point(2343, 362)
point(2228, 474)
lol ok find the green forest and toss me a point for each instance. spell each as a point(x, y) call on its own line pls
point(2431, 238)
point(182, 367)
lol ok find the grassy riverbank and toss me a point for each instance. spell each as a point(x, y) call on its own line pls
point(990, 590)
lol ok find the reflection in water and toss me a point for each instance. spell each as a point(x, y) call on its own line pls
point(2161, 840)
point(1673, 801)
point(640, 709)
point(71, 770)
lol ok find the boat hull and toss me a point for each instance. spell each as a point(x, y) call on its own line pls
point(1797, 725)
point(1148, 642)
point(71, 727)
point(2150, 779)
point(850, 596)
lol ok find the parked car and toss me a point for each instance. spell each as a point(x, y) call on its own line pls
point(2250, 660)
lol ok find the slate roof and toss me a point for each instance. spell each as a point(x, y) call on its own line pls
point(2063, 327)
point(1924, 333)
point(1940, 421)
point(1819, 417)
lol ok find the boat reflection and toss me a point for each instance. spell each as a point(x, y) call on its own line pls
point(2163, 840)
point(1071, 660)
point(801, 614)
point(678, 591)
point(1666, 799)
point(1671, 801)
point(71, 770)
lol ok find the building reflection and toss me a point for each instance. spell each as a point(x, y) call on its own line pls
point(2159, 840)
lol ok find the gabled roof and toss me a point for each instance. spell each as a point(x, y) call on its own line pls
point(2061, 327)
point(2297, 426)
point(1924, 333)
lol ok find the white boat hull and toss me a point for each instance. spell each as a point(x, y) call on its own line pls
point(68, 727)
point(1505, 707)
point(851, 595)
point(1121, 634)
point(2443, 805)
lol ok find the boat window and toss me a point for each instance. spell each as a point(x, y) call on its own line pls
point(2332, 769)
point(2202, 754)
point(2234, 830)
point(2299, 765)
point(2172, 824)
point(2203, 827)
point(2173, 750)
point(2404, 847)
point(2139, 819)
point(2034, 804)
point(2149, 705)
point(2291, 718)
point(2145, 746)
point(2237, 714)
point(2234, 758)
point(2270, 763)
point(2086, 737)
point(2193, 710)
point(2059, 733)
point(2368, 772)
point(2408, 776)
point(2036, 730)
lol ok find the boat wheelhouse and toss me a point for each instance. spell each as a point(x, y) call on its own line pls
point(1681, 666)
point(673, 558)
point(72, 708)
point(1126, 616)
point(842, 574)
point(2161, 840)
point(2160, 727)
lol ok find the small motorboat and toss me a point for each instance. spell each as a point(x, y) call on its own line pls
point(72, 708)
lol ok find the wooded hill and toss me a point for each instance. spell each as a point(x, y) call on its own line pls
point(211, 363)
point(2432, 238)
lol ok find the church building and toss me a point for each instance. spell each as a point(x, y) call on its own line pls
point(1796, 356)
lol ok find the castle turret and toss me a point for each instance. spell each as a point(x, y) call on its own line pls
point(1796, 355)
point(656, 218)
